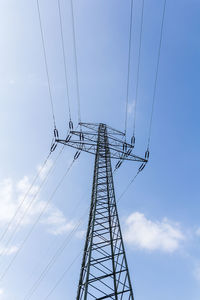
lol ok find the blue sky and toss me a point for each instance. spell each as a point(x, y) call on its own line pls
point(160, 212)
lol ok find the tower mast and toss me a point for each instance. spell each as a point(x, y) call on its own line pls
point(104, 271)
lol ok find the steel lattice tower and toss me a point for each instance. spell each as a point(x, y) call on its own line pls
point(104, 270)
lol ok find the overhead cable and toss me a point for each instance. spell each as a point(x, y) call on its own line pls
point(46, 64)
point(138, 67)
point(64, 59)
point(72, 231)
point(128, 186)
point(25, 196)
point(60, 279)
point(19, 222)
point(69, 267)
point(156, 75)
point(76, 61)
point(36, 221)
point(54, 258)
point(129, 62)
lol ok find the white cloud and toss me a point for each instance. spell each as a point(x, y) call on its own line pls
point(146, 234)
point(56, 221)
point(131, 107)
point(8, 250)
point(80, 234)
point(44, 170)
point(198, 232)
point(7, 203)
point(1, 292)
point(13, 193)
point(12, 81)
point(197, 272)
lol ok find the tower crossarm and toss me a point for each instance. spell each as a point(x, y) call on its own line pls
point(86, 140)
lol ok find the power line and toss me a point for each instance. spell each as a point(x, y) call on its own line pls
point(73, 230)
point(46, 64)
point(156, 76)
point(64, 58)
point(69, 267)
point(17, 225)
point(72, 263)
point(129, 62)
point(35, 223)
point(138, 67)
point(128, 186)
point(60, 251)
point(54, 258)
point(24, 198)
point(62, 276)
point(76, 61)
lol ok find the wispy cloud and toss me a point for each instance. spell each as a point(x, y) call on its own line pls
point(198, 232)
point(131, 107)
point(197, 272)
point(13, 193)
point(7, 203)
point(57, 222)
point(152, 235)
point(8, 250)
point(43, 171)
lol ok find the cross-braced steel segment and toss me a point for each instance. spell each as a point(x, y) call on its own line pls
point(104, 270)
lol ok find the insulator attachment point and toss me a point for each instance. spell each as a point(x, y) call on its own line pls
point(133, 141)
point(141, 167)
point(118, 164)
point(77, 154)
point(124, 146)
point(128, 152)
point(53, 147)
point(81, 136)
point(68, 138)
point(71, 126)
point(55, 132)
point(147, 154)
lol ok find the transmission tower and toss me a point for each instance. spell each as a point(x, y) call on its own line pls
point(104, 270)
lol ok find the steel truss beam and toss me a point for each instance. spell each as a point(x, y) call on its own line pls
point(104, 270)
point(87, 140)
